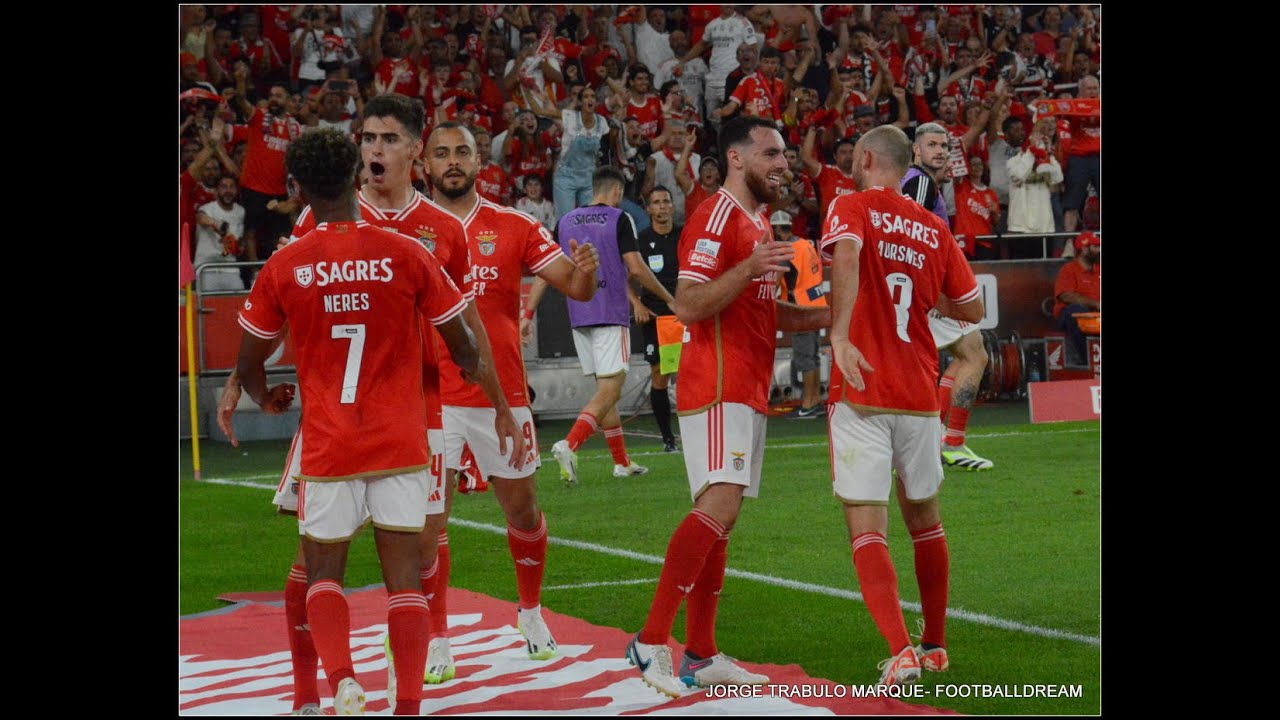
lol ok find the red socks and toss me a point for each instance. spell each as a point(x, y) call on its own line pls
point(529, 551)
point(700, 610)
point(330, 621)
point(687, 553)
point(944, 397)
point(617, 446)
point(302, 651)
point(879, 584)
point(407, 621)
point(585, 425)
point(435, 586)
point(956, 423)
point(933, 566)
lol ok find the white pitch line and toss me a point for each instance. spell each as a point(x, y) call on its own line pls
point(957, 613)
point(637, 581)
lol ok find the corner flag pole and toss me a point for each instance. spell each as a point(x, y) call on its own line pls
point(191, 364)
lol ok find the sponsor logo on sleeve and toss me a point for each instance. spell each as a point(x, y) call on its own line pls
point(707, 246)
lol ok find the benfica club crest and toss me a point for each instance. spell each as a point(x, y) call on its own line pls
point(738, 462)
point(428, 238)
point(487, 246)
point(304, 275)
point(875, 218)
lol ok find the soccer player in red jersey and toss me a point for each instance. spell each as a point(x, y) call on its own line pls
point(897, 261)
point(390, 140)
point(346, 291)
point(503, 242)
point(727, 297)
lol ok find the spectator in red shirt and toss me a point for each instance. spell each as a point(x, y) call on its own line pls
point(761, 93)
point(394, 72)
point(1084, 155)
point(491, 180)
point(1079, 289)
point(268, 132)
point(708, 184)
point(1046, 40)
point(977, 211)
point(262, 55)
point(639, 101)
point(527, 148)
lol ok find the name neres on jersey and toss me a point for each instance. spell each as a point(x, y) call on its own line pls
point(346, 302)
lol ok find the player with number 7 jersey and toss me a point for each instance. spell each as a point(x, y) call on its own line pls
point(346, 290)
point(907, 258)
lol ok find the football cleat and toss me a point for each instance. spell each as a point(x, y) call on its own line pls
point(440, 667)
point(900, 669)
point(349, 700)
point(629, 470)
point(568, 460)
point(719, 669)
point(962, 457)
point(654, 664)
point(537, 636)
point(308, 709)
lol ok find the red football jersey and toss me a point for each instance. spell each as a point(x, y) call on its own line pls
point(770, 96)
point(268, 138)
point(649, 113)
point(728, 357)
point(400, 75)
point(346, 291)
point(492, 183)
point(441, 234)
point(906, 258)
point(832, 183)
point(503, 242)
point(973, 214)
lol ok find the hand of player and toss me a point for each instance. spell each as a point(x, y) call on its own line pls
point(584, 256)
point(504, 424)
point(227, 405)
point(770, 257)
point(526, 330)
point(851, 363)
point(282, 240)
point(643, 316)
point(278, 399)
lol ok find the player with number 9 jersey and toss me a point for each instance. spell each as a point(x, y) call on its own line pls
point(346, 290)
point(502, 242)
point(907, 258)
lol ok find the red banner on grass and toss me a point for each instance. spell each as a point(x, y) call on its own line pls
point(236, 662)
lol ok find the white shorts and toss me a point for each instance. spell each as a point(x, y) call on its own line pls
point(867, 447)
point(724, 444)
point(334, 511)
point(286, 499)
point(603, 350)
point(947, 331)
point(474, 426)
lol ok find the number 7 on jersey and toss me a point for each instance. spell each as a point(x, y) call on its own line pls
point(355, 353)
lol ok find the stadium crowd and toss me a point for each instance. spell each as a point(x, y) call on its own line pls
point(553, 91)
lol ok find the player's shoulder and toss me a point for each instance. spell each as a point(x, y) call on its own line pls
point(714, 214)
point(507, 215)
point(427, 208)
